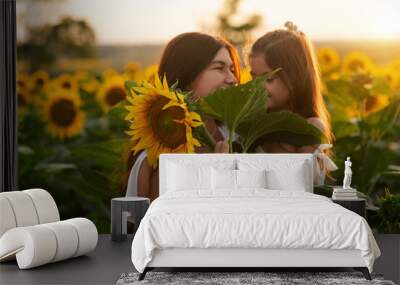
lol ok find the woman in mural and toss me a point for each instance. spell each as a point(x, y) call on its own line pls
point(295, 88)
point(198, 63)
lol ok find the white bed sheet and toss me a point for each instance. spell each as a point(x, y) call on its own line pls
point(250, 218)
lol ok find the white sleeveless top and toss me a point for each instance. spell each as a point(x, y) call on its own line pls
point(132, 187)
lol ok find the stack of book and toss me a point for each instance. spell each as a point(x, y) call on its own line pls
point(344, 194)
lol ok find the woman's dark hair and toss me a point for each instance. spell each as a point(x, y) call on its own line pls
point(188, 54)
point(183, 59)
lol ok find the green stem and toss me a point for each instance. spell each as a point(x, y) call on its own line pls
point(205, 137)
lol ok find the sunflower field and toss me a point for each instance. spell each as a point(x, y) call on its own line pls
point(72, 137)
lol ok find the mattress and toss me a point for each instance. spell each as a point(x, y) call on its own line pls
point(250, 219)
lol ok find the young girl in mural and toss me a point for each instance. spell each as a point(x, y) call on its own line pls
point(201, 64)
point(295, 88)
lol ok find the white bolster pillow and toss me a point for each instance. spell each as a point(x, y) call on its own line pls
point(26, 208)
point(24, 211)
point(33, 246)
point(45, 205)
point(40, 244)
point(7, 219)
point(87, 235)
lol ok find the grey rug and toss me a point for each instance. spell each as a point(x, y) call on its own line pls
point(230, 278)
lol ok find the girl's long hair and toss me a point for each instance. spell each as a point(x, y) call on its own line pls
point(294, 53)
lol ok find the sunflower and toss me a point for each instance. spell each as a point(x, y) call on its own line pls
point(39, 81)
point(66, 82)
point(161, 121)
point(375, 103)
point(63, 115)
point(112, 92)
point(328, 59)
point(87, 81)
point(81, 75)
point(357, 62)
point(133, 71)
point(351, 112)
point(369, 105)
point(109, 73)
point(22, 81)
point(91, 85)
point(391, 76)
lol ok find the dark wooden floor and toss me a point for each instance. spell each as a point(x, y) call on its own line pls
point(102, 266)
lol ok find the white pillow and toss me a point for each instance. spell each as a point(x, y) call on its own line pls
point(293, 179)
point(281, 174)
point(223, 179)
point(188, 177)
point(251, 178)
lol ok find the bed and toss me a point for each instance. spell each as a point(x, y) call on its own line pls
point(247, 210)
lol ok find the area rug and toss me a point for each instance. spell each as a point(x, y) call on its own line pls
point(230, 278)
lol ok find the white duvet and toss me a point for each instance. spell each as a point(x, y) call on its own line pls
point(252, 218)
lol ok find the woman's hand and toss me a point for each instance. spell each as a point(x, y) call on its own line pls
point(221, 147)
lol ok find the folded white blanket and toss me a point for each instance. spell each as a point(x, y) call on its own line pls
point(252, 218)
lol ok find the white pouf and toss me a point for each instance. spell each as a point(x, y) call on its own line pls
point(31, 230)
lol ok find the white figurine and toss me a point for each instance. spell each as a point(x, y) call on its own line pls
point(347, 174)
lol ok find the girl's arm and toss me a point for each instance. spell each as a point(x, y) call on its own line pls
point(144, 176)
point(154, 184)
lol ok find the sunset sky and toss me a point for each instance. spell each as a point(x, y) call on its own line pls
point(157, 21)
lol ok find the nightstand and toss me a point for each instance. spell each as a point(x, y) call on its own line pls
point(357, 206)
point(121, 209)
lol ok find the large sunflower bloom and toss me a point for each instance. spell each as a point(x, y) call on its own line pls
point(328, 59)
point(112, 92)
point(63, 115)
point(161, 121)
point(357, 62)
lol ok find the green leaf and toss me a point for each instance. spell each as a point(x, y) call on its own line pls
point(292, 128)
point(344, 93)
point(235, 104)
point(54, 167)
point(344, 128)
point(380, 86)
